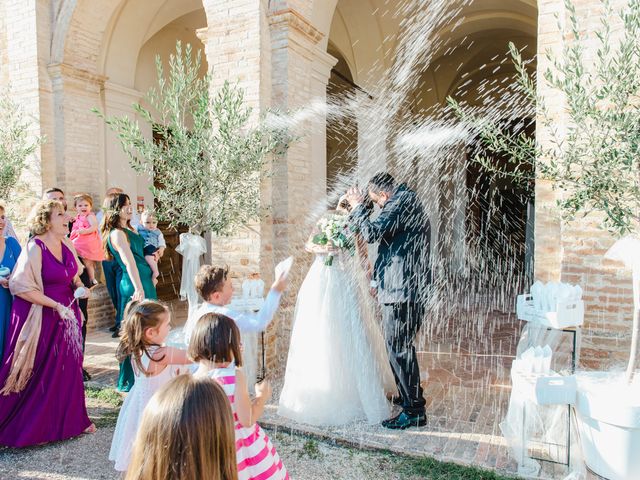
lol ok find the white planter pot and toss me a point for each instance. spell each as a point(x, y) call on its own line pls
point(608, 413)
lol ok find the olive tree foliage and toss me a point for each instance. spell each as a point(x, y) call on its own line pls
point(206, 158)
point(16, 146)
point(594, 161)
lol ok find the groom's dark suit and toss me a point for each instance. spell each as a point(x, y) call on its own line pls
point(402, 274)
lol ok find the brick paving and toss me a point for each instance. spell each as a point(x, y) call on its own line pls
point(467, 394)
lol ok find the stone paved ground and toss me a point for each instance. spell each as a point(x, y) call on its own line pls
point(466, 394)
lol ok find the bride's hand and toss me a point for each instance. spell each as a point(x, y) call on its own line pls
point(331, 248)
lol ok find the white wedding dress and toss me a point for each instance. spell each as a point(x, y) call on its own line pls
point(338, 368)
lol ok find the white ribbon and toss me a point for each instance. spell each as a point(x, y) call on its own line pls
point(191, 247)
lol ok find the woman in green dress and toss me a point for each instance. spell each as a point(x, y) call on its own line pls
point(125, 246)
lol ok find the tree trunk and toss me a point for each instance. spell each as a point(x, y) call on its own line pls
point(636, 325)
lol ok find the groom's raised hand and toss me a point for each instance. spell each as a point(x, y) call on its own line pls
point(354, 196)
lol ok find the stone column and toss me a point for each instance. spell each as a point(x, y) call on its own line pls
point(321, 71)
point(237, 48)
point(24, 30)
point(78, 148)
point(118, 101)
point(299, 76)
point(548, 228)
point(372, 136)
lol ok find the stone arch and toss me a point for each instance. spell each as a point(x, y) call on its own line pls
point(342, 131)
point(364, 37)
point(477, 73)
point(88, 35)
point(368, 38)
point(94, 54)
point(322, 12)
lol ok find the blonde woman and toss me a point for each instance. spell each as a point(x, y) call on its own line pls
point(186, 433)
point(42, 394)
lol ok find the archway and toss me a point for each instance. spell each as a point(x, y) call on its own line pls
point(107, 55)
point(467, 59)
point(342, 127)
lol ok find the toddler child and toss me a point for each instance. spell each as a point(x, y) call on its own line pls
point(154, 244)
point(215, 345)
point(85, 236)
point(143, 332)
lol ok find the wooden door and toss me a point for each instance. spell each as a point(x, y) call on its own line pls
point(170, 265)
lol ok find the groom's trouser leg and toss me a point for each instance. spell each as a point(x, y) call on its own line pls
point(401, 324)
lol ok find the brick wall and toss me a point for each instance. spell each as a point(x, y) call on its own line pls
point(573, 252)
point(101, 311)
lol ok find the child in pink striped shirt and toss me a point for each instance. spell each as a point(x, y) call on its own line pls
point(215, 345)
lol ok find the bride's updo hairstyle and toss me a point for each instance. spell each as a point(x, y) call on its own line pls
point(215, 338)
point(210, 280)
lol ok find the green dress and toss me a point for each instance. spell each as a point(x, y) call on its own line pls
point(126, 289)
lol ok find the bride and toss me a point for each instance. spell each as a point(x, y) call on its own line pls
point(338, 369)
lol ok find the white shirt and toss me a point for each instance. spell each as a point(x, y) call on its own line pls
point(247, 322)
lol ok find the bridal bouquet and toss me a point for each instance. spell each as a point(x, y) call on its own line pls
point(334, 232)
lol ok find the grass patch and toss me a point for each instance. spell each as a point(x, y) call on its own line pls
point(310, 449)
point(104, 417)
point(428, 468)
point(106, 395)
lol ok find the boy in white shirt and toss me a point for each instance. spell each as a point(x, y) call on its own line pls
point(216, 289)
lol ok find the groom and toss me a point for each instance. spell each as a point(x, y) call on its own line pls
point(401, 280)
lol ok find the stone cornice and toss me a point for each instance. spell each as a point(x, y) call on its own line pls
point(203, 35)
point(60, 70)
point(120, 89)
point(292, 19)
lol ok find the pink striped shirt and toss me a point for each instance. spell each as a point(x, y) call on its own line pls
point(257, 457)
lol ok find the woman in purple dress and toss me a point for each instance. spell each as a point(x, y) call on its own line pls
point(42, 394)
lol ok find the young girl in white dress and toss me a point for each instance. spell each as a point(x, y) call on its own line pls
point(215, 345)
point(143, 332)
point(338, 370)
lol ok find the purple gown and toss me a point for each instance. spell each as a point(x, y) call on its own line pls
point(52, 405)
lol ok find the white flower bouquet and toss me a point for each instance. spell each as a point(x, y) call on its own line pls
point(334, 233)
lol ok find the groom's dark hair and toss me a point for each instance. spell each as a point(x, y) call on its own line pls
point(210, 279)
point(382, 182)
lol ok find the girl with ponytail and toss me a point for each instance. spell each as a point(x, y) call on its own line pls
point(143, 332)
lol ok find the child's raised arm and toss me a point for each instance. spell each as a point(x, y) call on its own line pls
point(249, 412)
point(164, 356)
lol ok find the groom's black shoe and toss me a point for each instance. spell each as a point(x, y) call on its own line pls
point(397, 400)
point(404, 420)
